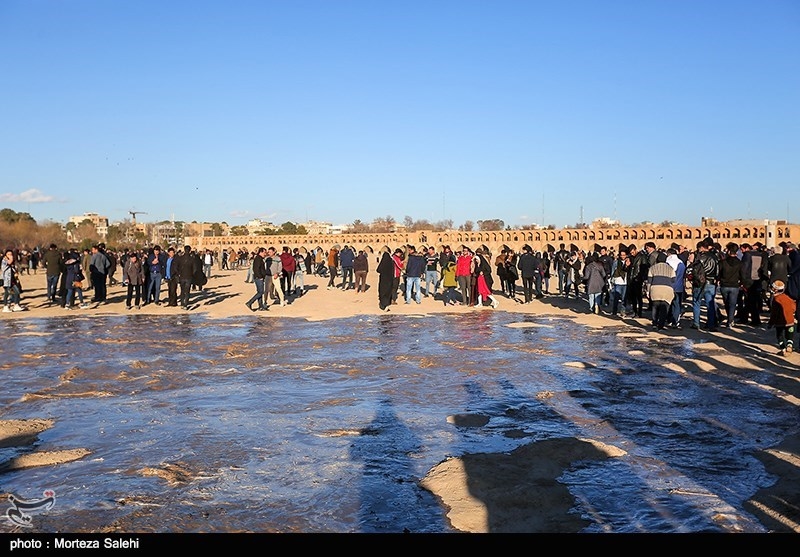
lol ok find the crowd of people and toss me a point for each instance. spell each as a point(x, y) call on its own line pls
point(70, 274)
point(717, 286)
point(731, 286)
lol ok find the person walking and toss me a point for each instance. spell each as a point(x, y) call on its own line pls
point(333, 266)
point(272, 281)
point(259, 276)
point(483, 280)
point(346, 258)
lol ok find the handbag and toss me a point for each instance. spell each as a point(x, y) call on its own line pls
point(77, 284)
point(512, 272)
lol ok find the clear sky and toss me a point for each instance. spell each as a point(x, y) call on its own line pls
point(533, 112)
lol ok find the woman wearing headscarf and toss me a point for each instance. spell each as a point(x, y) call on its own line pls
point(483, 280)
point(385, 281)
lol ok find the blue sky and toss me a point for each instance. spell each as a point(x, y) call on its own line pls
point(546, 112)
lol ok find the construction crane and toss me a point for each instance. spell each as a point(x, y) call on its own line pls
point(134, 213)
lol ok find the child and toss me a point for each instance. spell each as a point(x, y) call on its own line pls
point(449, 284)
point(781, 316)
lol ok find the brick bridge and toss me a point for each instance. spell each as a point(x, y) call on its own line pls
point(769, 233)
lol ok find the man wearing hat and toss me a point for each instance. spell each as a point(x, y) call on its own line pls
point(781, 316)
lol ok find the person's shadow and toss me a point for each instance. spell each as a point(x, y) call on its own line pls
point(511, 492)
point(390, 499)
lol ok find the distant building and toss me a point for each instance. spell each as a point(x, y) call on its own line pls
point(167, 234)
point(255, 226)
point(206, 229)
point(100, 223)
point(316, 227)
point(604, 222)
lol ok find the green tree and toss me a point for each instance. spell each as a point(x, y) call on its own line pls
point(239, 231)
point(288, 227)
point(115, 235)
point(11, 216)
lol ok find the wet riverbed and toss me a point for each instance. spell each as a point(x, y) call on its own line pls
point(281, 425)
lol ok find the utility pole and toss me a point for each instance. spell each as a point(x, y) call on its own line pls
point(615, 206)
point(542, 223)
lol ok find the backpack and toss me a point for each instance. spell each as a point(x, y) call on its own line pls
point(698, 274)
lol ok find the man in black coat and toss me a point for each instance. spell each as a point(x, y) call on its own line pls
point(186, 267)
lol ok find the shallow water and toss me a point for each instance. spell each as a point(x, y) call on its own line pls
point(280, 425)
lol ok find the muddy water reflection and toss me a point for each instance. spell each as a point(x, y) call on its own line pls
point(287, 426)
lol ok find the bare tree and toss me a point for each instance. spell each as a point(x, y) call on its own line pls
point(492, 224)
point(383, 224)
point(443, 225)
point(85, 232)
point(358, 227)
